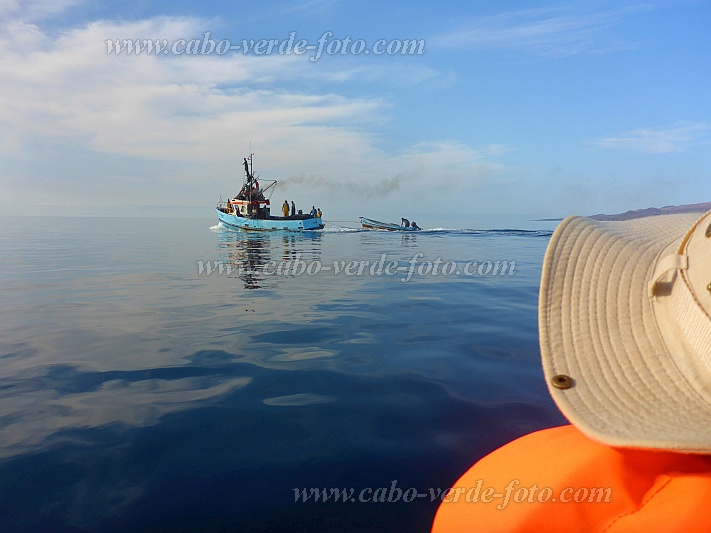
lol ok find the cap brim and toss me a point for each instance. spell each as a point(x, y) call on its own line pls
point(597, 326)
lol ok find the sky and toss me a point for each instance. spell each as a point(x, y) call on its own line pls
point(533, 108)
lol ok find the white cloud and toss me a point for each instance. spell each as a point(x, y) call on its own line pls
point(556, 32)
point(658, 140)
point(70, 92)
point(142, 105)
point(79, 124)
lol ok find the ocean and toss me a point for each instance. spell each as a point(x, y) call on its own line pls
point(171, 375)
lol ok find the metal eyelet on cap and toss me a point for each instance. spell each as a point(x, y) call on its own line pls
point(561, 381)
point(708, 235)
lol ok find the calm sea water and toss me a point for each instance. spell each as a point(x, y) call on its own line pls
point(138, 393)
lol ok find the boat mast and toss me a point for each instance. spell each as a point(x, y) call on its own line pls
point(249, 169)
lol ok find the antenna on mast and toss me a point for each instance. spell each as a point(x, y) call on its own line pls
point(251, 162)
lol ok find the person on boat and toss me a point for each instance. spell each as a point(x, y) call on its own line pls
point(285, 209)
point(293, 208)
point(414, 225)
point(312, 213)
point(318, 213)
point(624, 322)
point(246, 168)
point(405, 223)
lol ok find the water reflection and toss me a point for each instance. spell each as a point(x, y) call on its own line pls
point(409, 240)
point(136, 395)
point(306, 245)
point(42, 407)
point(246, 254)
point(256, 257)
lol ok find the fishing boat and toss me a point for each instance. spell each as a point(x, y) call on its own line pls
point(250, 208)
point(369, 223)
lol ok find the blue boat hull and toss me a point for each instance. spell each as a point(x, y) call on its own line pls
point(271, 223)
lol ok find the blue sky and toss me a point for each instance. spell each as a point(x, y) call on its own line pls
point(536, 108)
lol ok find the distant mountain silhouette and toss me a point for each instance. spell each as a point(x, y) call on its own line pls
point(653, 211)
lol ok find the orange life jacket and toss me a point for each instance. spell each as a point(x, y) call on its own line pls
point(581, 486)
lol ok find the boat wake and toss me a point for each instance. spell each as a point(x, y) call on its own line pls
point(492, 232)
point(333, 228)
point(336, 229)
